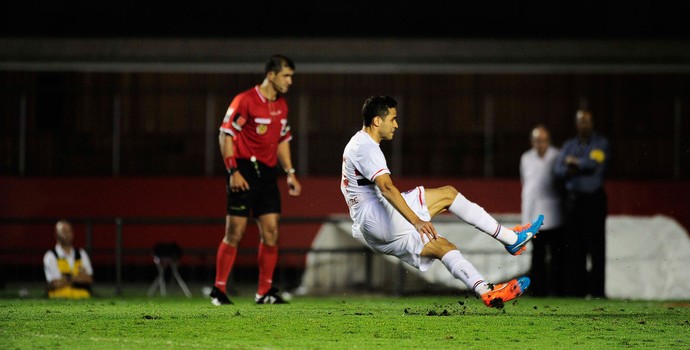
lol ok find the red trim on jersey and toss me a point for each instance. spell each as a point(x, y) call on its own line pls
point(376, 173)
point(258, 92)
point(421, 199)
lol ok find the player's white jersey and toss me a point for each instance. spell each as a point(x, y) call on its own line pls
point(383, 228)
point(363, 161)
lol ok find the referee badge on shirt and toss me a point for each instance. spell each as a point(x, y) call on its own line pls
point(262, 125)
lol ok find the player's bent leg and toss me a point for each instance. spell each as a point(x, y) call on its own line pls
point(492, 295)
point(437, 248)
point(439, 199)
point(476, 216)
point(465, 271)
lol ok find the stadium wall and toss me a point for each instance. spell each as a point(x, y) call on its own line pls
point(78, 199)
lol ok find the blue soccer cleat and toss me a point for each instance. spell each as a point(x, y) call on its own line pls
point(524, 233)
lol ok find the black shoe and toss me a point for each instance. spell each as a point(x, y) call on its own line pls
point(271, 297)
point(219, 298)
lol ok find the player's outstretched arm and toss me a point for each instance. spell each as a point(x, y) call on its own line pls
point(393, 196)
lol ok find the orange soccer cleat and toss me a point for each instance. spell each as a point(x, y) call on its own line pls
point(504, 292)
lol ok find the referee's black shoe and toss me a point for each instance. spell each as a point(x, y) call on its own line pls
point(271, 297)
point(219, 298)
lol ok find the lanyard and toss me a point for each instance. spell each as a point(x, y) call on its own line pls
point(256, 165)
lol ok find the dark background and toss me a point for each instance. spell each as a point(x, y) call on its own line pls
point(653, 20)
point(164, 127)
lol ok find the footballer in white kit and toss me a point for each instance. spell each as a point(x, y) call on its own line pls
point(398, 224)
point(381, 226)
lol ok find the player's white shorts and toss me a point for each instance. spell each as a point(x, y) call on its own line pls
point(386, 230)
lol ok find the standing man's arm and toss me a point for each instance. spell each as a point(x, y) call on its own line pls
point(597, 160)
point(393, 196)
point(227, 150)
point(285, 158)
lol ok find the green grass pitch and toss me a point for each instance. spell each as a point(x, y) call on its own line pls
point(343, 322)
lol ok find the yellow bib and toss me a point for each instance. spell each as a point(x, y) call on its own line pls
point(69, 292)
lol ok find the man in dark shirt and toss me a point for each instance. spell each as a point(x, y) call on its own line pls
point(582, 165)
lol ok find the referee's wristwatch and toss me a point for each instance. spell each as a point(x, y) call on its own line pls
point(290, 171)
point(232, 171)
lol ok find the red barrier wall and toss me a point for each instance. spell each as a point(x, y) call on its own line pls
point(28, 198)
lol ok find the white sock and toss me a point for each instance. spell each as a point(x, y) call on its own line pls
point(465, 271)
point(476, 216)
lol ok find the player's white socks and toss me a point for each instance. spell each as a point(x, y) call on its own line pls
point(475, 215)
point(465, 271)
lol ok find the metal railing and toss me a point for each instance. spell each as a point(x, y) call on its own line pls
point(120, 223)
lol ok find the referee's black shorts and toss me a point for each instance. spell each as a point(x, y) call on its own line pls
point(263, 196)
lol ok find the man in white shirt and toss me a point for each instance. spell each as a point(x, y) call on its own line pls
point(68, 269)
point(398, 224)
point(540, 194)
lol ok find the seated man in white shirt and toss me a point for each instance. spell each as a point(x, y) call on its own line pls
point(68, 269)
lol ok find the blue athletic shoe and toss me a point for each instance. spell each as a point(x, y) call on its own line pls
point(524, 233)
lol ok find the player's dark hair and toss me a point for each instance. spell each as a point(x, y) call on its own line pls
point(276, 63)
point(377, 106)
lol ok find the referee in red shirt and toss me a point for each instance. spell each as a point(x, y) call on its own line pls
point(254, 137)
